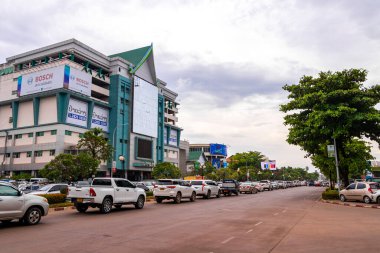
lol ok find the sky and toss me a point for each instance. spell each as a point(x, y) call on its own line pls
point(227, 60)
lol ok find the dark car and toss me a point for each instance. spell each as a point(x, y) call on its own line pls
point(229, 187)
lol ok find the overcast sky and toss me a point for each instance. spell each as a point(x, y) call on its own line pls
point(227, 60)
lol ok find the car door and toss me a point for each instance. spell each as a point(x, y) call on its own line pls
point(360, 191)
point(212, 187)
point(11, 202)
point(350, 192)
point(120, 194)
point(55, 189)
point(186, 189)
point(131, 191)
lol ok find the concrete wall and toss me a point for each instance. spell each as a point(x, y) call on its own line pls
point(48, 110)
point(5, 114)
point(25, 114)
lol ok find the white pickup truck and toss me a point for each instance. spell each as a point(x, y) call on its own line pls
point(105, 193)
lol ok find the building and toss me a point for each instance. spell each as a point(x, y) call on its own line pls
point(215, 153)
point(50, 96)
point(195, 161)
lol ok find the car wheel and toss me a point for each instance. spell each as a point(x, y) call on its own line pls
point(342, 198)
point(229, 193)
point(81, 208)
point(218, 195)
point(237, 193)
point(193, 197)
point(177, 198)
point(106, 206)
point(140, 202)
point(32, 216)
point(378, 200)
point(255, 191)
point(158, 200)
point(367, 200)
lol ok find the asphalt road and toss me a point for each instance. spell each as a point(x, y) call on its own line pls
point(290, 220)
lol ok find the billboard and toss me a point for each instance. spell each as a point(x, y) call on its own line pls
point(218, 149)
point(100, 118)
point(77, 113)
point(145, 108)
point(269, 165)
point(54, 78)
point(173, 137)
point(215, 163)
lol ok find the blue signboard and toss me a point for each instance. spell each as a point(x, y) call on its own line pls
point(218, 149)
point(216, 163)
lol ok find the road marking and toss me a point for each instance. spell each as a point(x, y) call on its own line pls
point(258, 223)
point(275, 214)
point(227, 240)
point(284, 211)
point(249, 231)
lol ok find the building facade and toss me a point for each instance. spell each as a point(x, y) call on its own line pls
point(50, 96)
point(214, 153)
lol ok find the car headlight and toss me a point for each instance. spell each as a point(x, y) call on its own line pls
point(45, 200)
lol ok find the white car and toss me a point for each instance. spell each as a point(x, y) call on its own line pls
point(175, 189)
point(16, 205)
point(206, 188)
point(258, 186)
point(49, 189)
point(376, 197)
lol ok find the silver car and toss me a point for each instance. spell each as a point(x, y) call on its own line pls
point(24, 207)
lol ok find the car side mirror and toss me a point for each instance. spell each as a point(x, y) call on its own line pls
point(20, 193)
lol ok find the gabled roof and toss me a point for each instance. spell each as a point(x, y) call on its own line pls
point(194, 155)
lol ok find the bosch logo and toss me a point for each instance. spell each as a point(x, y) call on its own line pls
point(30, 80)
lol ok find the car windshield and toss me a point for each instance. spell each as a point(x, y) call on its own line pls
point(196, 182)
point(165, 182)
point(45, 188)
point(374, 186)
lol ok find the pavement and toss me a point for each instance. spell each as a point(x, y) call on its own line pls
point(291, 220)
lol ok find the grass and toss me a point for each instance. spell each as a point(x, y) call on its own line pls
point(65, 204)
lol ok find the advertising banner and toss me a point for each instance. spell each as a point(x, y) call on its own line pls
point(218, 149)
point(145, 108)
point(77, 113)
point(270, 165)
point(215, 163)
point(173, 137)
point(54, 78)
point(100, 118)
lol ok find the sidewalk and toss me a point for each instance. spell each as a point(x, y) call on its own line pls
point(353, 204)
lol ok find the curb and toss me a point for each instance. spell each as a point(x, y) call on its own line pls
point(56, 209)
point(349, 204)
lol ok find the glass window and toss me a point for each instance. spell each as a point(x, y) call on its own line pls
point(16, 155)
point(52, 152)
point(8, 191)
point(124, 183)
point(144, 148)
point(38, 153)
point(8, 155)
point(30, 135)
point(55, 188)
point(53, 132)
point(29, 154)
point(361, 186)
point(351, 187)
point(18, 136)
point(196, 182)
point(67, 132)
point(40, 133)
point(9, 137)
point(106, 182)
point(374, 186)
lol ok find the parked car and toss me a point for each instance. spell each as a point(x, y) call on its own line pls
point(29, 188)
point(175, 189)
point(229, 187)
point(275, 185)
point(141, 186)
point(258, 186)
point(206, 188)
point(82, 183)
point(266, 184)
point(50, 189)
point(149, 184)
point(282, 184)
point(375, 197)
point(39, 180)
point(105, 193)
point(15, 205)
point(248, 187)
point(361, 191)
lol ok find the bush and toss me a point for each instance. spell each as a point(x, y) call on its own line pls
point(149, 193)
point(55, 198)
point(330, 194)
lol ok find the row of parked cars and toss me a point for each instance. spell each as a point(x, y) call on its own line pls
point(361, 191)
point(106, 193)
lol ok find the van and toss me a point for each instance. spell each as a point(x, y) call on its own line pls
point(39, 180)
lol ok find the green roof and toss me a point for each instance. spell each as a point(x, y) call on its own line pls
point(134, 56)
point(194, 155)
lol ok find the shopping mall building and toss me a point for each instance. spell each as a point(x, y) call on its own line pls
point(50, 96)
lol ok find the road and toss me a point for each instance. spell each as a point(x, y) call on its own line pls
point(290, 220)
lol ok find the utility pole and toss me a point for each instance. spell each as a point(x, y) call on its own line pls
point(337, 166)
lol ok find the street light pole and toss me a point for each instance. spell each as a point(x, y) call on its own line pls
point(113, 144)
point(337, 167)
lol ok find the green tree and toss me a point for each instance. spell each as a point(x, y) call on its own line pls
point(166, 170)
point(20, 176)
point(332, 105)
point(94, 142)
point(68, 167)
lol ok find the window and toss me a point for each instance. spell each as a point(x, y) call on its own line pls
point(38, 153)
point(9, 137)
point(16, 155)
point(361, 186)
point(121, 111)
point(127, 90)
point(40, 134)
point(30, 135)
point(52, 152)
point(10, 120)
point(124, 183)
point(144, 148)
point(55, 188)
point(67, 132)
point(53, 132)
point(123, 141)
point(351, 187)
point(18, 136)
point(8, 191)
point(7, 155)
point(122, 100)
point(122, 89)
point(29, 154)
point(14, 92)
point(102, 182)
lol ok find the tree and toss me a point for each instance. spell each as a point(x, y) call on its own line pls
point(166, 170)
point(94, 142)
point(332, 105)
point(68, 167)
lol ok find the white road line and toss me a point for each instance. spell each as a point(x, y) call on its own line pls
point(249, 231)
point(275, 214)
point(258, 223)
point(284, 211)
point(227, 240)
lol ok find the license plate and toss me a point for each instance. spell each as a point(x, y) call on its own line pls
point(80, 200)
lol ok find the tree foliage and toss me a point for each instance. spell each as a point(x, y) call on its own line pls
point(68, 167)
point(166, 170)
point(94, 142)
point(333, 105)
